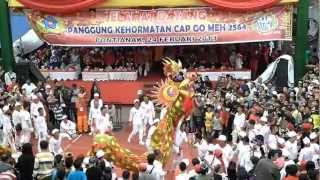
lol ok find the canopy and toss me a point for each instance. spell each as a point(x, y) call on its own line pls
point(283, 66)
point(27, 43)
point(69, 6)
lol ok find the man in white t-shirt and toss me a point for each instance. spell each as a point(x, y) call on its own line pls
point(29, 87)
point(67, 128)
point(238, 124)
point(148, 109)
point(102, 122)
point(55, 142)
point(136, 118)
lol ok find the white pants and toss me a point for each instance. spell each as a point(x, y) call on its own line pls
point(235, 136)
point(137, 128)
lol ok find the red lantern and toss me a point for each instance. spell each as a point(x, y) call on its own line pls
point(59, 6)
point(243, 5)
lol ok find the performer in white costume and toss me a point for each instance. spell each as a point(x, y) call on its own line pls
point(94, 113)
point(67, 128)
point(55, 142)
point(147, 108)
point(41, 127)
point(103, 123)
point(8, 129)
point(136, 118)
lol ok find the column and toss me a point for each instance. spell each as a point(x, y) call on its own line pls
point(301, 39)
point(6, 39)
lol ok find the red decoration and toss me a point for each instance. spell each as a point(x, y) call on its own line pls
point(187, 106)
point(243, 5)
point(59, 6)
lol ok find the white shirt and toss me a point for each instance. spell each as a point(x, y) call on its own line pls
point(148, 110)
point(40, 124)
point(55, 145)
point(34, 109)
point(306, 154)
point(8, 76)
point(244, 157)
point(180, 138)
point(292, 148)
point(29, 88)
point(94, 114)
point(239, 121)
point(136, 116)
point(6, 123)
point(103, 123)
point(26, 122)
point(182, 176)
point(202, 148)
point(227, 153)
point(100, 102)
point(272, 142)
point(67, 126)
point(16, 117)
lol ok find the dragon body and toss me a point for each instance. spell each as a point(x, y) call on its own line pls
point(173, 96)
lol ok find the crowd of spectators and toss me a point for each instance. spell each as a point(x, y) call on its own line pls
point(241, 130)
point(253, 56)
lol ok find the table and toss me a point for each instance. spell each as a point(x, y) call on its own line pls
point(109, 76)
point(60, 74)
point(214, 75)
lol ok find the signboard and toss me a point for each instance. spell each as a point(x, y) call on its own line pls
point(163, 27)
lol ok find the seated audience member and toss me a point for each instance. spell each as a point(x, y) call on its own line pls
point(67, 128)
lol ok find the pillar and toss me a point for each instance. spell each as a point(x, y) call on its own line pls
point(302, 44)
point(6, 39)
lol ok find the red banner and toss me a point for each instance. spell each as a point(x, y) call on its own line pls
point(163, 27)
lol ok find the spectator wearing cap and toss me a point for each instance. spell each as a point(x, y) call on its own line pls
point(227, 152)
point(67, 128)
point(292, 145)
point(136, 117)
point(96, 100)
point(94, 113)
point(44, 162)
point(307, 152)
point(8, 129)
point(55, 142)
point(40, 125)
point(35, 105)
point(26, 123)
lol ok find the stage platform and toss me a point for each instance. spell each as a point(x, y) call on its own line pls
point(119, 92)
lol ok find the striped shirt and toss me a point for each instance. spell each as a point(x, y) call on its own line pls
point(43, 164)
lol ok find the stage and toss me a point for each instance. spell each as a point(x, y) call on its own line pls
point(82, 146)
point(118, 92)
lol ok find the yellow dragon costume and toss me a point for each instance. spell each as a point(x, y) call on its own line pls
point(177, 97)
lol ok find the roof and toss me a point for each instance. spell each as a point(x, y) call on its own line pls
point(147, 3)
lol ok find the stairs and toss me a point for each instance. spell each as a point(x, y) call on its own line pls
point(26, 70)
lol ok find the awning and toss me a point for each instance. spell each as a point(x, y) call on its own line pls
point(146, 3)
